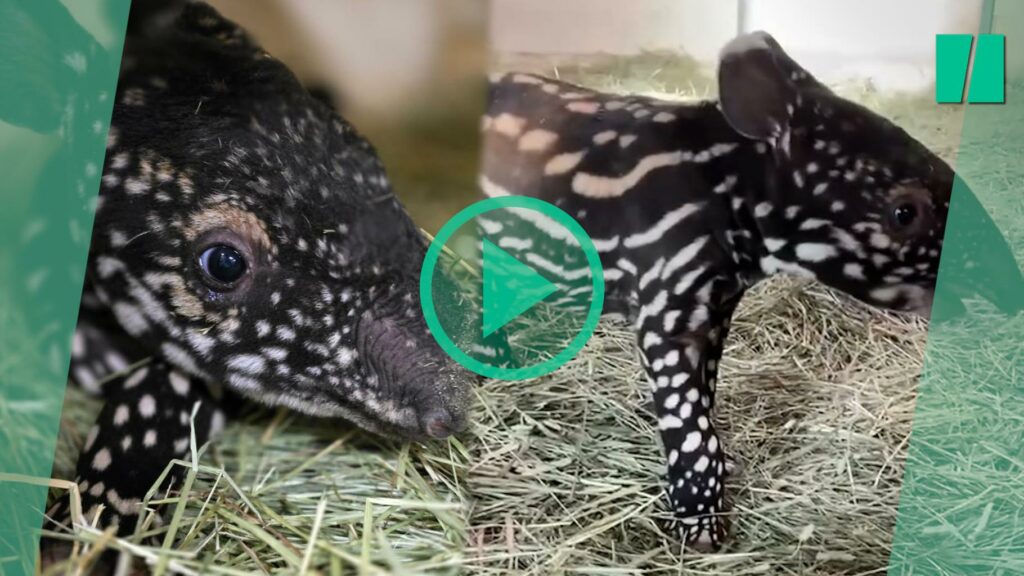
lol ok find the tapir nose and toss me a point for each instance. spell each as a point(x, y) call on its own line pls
point(443, 408)
point(440, 423)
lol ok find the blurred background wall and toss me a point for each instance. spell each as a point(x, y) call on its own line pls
point(890, 43)
point(383, 54)
point(408, 73)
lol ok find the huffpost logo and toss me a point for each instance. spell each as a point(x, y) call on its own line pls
point(953, 59)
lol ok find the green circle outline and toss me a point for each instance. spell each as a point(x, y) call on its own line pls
point(427, 293)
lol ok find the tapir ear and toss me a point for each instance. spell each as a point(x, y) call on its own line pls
point(149, 18)
point(202, 19)
point(57, 61)
point(154, 18)
point(759, 85)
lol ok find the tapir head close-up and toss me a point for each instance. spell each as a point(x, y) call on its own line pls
point(251, 236)
point(870, 202)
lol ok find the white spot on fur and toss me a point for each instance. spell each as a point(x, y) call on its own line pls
point(262, 328)
point(181, 445)
point(130, 318)
point(701, 464)
point(772, 265)
point(90, 439)
point(651, 339)
point(175, 355)
point(346, 356)
point(684, 257)
point(606, 245)
point(686, 282)
point(124, 506)
point(880, 241)
point(508, 125)
point(679, 379)
point(147, 406)
point(247, 363)
point(671, 317)
point(672, 401)
point(491, 189)
point(581, 107)
point(136, 378)
point(121, 415)
point(725, 185)
point(691, 442)
point(179, 383)
point(537, 140)
point(854, 270)
point(668, 221)
point(815, 251)
point(669, 422)
point(814, 224)
point(101, 460)
point(563, 163)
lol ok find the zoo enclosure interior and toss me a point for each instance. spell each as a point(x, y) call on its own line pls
point(432, 202)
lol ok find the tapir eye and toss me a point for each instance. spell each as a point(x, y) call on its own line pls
point(222, 264)
point(905, 214)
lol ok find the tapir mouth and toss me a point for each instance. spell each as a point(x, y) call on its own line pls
point(433, 420)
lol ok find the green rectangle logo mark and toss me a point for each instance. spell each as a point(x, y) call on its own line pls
point(953, 60)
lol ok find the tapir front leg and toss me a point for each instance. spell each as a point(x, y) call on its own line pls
point(146, 422)
point(681, 348)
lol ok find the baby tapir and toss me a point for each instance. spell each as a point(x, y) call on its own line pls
point(246, 236)
point(690, 205)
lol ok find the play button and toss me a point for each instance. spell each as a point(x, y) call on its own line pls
point(512, 287)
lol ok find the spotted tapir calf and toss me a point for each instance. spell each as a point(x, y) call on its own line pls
point(246, 242)
point(690, 205)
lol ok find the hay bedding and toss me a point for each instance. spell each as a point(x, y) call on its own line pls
point(815, 404)
point(562, 474)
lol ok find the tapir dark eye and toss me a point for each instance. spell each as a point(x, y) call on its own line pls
point(222, 264)
point(904, 214)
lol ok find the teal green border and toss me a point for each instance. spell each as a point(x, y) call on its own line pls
point(58, 79)
point(427, 291)
point(961, 505)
